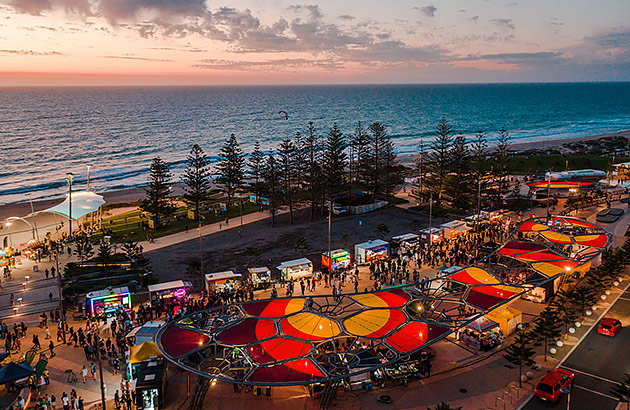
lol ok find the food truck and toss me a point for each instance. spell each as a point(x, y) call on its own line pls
point(296, 269)
point(260, 277)
point(144, 333)
point(167, 291)
point(454, 228)
point(406, 242)
point(481, 334)
point(150, 385)
point(222, 280)
point(366, 252)
point(338, 260)
point(139, 354)
point(432, 234)
point(105, 302)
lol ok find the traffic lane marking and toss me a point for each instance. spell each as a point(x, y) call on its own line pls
point(594, 392)
point(590, 375)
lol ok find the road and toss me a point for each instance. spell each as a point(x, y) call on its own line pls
point(598, 362)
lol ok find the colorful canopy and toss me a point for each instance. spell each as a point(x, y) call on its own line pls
point(143, 352)
point(302, 340)
point(560, 184)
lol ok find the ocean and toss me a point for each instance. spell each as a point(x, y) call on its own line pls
point(47, 132)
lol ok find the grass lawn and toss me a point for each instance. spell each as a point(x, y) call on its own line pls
point(528, 164)
point(128, 226)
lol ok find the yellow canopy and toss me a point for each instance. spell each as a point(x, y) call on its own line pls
point(507, 318)
point(143, 352)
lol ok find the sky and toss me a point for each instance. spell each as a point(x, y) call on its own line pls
point(199, 42)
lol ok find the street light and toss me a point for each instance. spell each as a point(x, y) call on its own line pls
point(28, 194)
point(69, 181)
point(9, 228)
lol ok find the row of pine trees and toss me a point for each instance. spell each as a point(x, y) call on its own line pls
point(308, 168)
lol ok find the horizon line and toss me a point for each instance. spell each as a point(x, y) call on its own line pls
point(307, 84)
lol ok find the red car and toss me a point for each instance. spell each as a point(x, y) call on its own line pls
point(549, 388)
point(609, 327)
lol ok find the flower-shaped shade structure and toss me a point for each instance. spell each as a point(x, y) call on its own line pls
point(302, 340)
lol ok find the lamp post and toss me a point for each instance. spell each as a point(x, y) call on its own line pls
point(69, 181)
point(28, 194)
point(61, 311)
point(9, 228)
point(548, 192)
point(88, 177)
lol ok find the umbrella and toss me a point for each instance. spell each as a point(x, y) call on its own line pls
point(3, 356)
point(14, 371)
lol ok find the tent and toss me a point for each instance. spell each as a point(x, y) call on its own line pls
point(83, 203)
point(14, 371)
point(507, 317)
point(143, 352)
point(3, 356)
point(482, 324)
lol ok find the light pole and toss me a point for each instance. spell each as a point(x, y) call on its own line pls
point(548, 193)
point(61, 311)
point(69, 181)
point(28, 194)
point(88, 177)
point(430, 217)
point(9, 228)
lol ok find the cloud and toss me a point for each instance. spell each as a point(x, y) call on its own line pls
point(504, 23)
point(37, 7)
point(474, 19)
point(515, 58)
point(278, 64)
point(30, 53)
point(346, 17)
point(428, 11)
point(132, 57)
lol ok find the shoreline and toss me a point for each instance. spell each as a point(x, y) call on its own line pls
point(21, 209)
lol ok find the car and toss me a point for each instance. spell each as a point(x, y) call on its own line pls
point(609, 327)
point(550, 387)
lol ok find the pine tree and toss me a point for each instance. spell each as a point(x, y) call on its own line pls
point(256, 168)
point(361, 143)
point(547, 328)
point(193, 271)
point(157, 200)
point(502, 158)
point(439, 157)
point(377, 139)
point(272, 179)
point(582, 297)
point(622, 391)
point(381, 230)
point(563, 309)
point(391, 174)
point(287, 171)
point(83, 247)
point(196, 179)
point(459, 186)
point(301, 245)
point(520, 353)
point(230, 168)
point(444, 406)
point(334, 164)
point(312, 169)
point(479, 146)
point(105, 253)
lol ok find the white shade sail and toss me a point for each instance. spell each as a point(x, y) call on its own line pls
point(83, 203)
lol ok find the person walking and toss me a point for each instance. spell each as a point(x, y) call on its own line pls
point(51, 347)
point(47, 333)
point(65, 401)
point(93, 369)
point(84, 374)
point(36, 342)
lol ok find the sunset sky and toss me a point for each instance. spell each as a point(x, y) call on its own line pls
point(186, 42)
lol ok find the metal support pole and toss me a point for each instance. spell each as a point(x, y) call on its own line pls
point(100, 373)
point(69, 180)
point(430, 217)
point(33, 216)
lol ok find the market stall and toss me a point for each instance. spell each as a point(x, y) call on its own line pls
point(296, 269)
point(139, 354)
point(222, 280)
point(366, 252)
point(150, 385)
point(481, 334)
point(168, 291)
point(260, 277)
point(105, 302)
point(338, 259)
point(507, 317)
